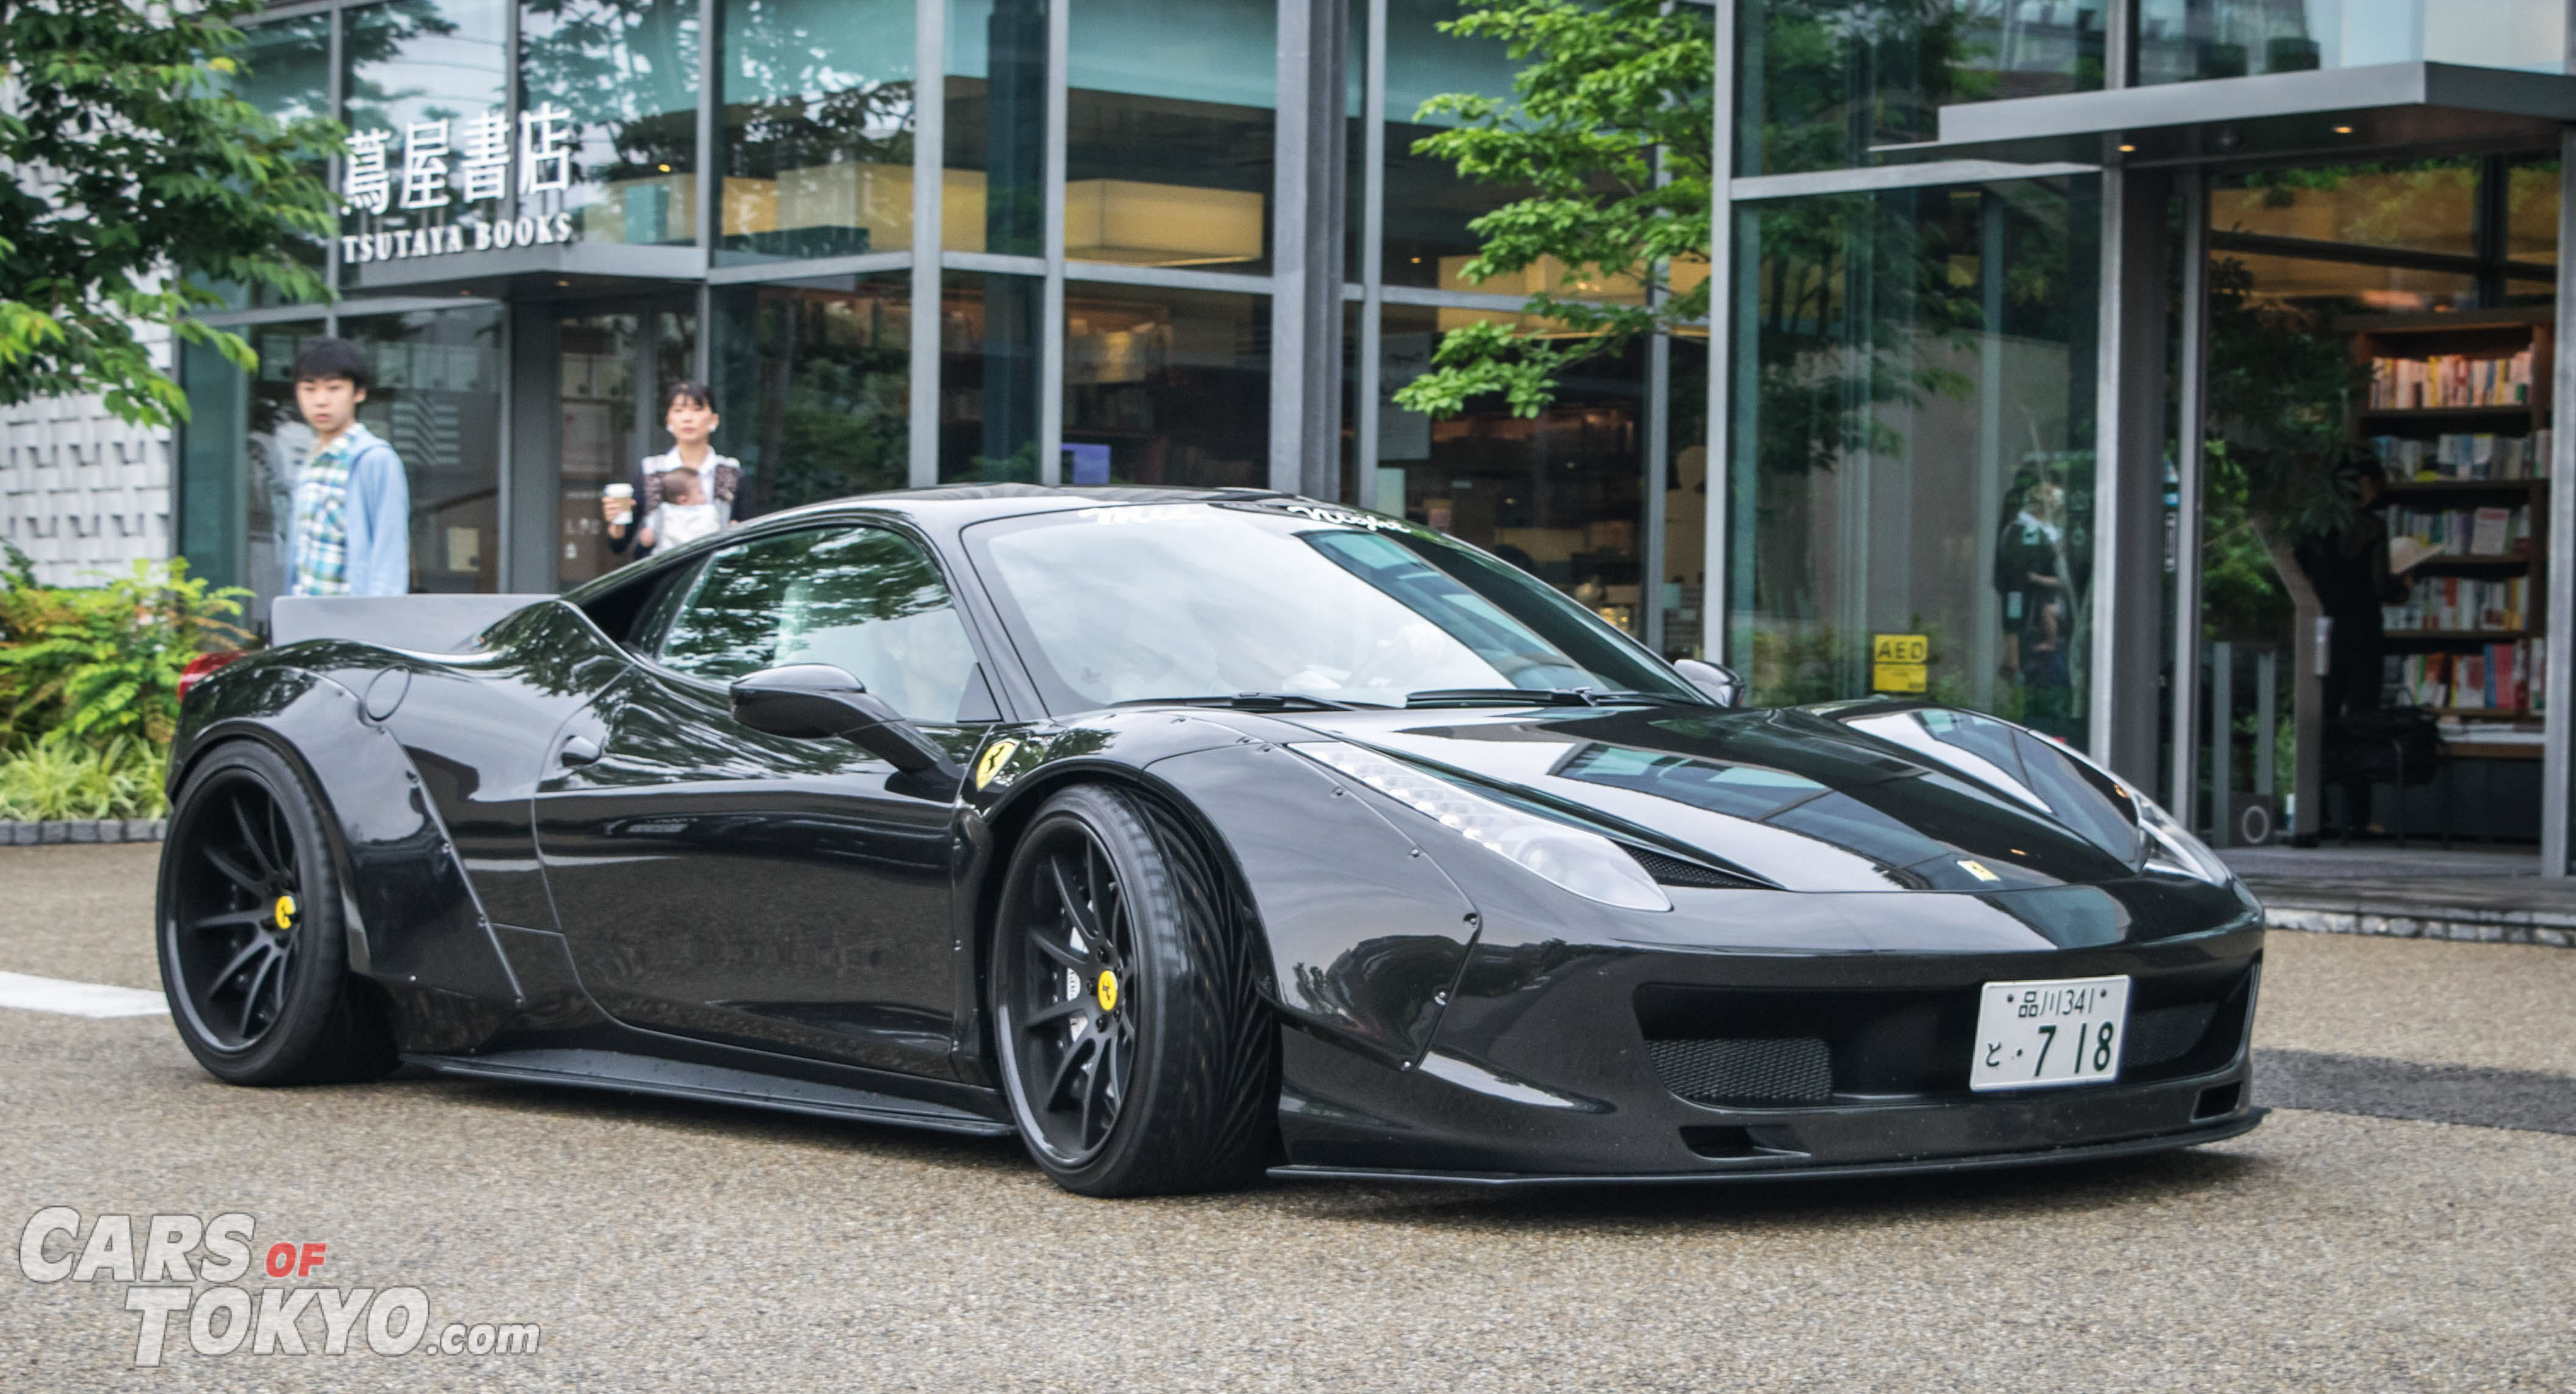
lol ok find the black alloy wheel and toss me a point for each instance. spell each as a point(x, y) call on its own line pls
point(1075, 1032)
point(251, 947)
point(1136, 1051)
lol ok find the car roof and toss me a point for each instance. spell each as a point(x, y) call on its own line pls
point(956, 505)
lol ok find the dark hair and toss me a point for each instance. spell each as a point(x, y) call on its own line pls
point(332, 358)
point(688, 390)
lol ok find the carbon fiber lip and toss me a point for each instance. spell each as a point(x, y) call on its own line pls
point(2225, 1128)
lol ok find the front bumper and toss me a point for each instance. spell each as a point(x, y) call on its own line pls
point(1554, 1062)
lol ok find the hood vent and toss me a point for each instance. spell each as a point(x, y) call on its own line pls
point(1673, 871)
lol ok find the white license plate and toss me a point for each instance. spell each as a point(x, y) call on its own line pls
point(2034, 1035)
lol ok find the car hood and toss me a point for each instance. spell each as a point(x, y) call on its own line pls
point(1871, 796)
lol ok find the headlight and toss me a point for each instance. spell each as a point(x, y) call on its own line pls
point(2171, 847)
point(1586, 863)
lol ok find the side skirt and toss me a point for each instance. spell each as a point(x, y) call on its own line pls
point(678, 1079)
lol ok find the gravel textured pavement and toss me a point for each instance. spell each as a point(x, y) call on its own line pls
point(663, 1245)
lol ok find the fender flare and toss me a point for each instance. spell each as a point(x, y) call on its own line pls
point(411, 916)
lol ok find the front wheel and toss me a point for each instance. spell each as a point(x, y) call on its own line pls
point(252, 951)
point(1135, 1048)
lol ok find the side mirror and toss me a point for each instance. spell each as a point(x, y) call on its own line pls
point(816, 701)
point(1720, 683)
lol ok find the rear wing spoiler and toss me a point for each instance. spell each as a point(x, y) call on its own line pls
point(422, 623)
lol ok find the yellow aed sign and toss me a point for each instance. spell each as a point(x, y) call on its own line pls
point(1900, 662)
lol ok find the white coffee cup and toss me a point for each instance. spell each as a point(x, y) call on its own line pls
point(620, 499)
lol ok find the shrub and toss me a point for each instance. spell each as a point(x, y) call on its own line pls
point(61, 776)
point(103, 663)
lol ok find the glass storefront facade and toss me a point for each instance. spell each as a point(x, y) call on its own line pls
point(1937, 399)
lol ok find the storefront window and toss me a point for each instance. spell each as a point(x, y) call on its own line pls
point(238, 455)
point(611, 369)
point(437, 400)
point(818, 122)
point(427, 98)
point(2189, 40)
point(1561, 495)
point(1822, 83)
point(285, 71)
point(1166, 386)
point(2347, 286)
point(2531, 210)
point(1169, 132)
point(993, 190)
point(1427, 205)
point(988, 377)
point(1684, 578)
point(812, 381)
point(1912, 445)
point(609, 117)
point(2421, 206)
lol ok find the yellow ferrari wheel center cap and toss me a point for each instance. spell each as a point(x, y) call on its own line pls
point(1107, 990)
point(285, 911)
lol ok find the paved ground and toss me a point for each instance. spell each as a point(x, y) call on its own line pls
point(668, 1246)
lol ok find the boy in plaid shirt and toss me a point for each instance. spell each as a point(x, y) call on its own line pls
point(349, 528)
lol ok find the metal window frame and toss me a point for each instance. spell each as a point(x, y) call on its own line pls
point(2558, 669)
point(929, 239)
point(2191, 404)
point(1051, 298)
point(1368, 375)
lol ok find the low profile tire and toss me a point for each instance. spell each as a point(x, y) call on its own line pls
point(1135, 1047)
point(253, 951)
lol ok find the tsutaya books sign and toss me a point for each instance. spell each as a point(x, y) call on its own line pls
point(424, 181)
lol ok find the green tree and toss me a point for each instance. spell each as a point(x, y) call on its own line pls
point(1610, 126)
point(137, 182)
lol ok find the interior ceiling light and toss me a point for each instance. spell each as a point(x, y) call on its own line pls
point(2343, 130)
point(2128, 149)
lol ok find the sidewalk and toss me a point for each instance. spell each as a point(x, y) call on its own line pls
point(2415, 893)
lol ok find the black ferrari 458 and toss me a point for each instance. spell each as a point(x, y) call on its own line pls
point(1188, 835)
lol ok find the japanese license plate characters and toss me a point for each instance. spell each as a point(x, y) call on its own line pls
point(2032, 1035)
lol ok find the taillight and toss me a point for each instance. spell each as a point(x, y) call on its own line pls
point(202, 665)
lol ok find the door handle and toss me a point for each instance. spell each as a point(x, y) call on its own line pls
point(577, 750)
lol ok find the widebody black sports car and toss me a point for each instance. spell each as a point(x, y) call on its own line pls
point(1189, 835)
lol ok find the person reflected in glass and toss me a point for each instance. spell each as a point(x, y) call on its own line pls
point(689, 414)
point(2030, 574)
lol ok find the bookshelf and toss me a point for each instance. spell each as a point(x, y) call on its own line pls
point(2458, 409)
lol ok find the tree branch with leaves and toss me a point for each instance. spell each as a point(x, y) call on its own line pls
point(137, 183)
point(1610, 127)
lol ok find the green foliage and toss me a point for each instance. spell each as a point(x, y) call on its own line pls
point(137, 182)
point(2280, 450)
point(61, 776)
point(103, 664)
point(1610, 126)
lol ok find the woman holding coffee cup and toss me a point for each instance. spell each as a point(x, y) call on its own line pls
point(689, 414)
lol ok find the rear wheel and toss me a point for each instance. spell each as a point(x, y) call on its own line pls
point(1136, 1050)
point(251, 937)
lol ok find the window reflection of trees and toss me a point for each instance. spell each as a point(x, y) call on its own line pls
point(834, 376)
point(796, 104)
point(627, 71)
point(850, 598)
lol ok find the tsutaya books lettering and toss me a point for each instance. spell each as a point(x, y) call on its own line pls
point(424, 180)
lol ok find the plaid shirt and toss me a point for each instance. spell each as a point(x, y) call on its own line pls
point(320, 565)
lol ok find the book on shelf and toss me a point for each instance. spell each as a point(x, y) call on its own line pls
point(2418, 534)
point(2476, 455)
point(2450, 380)
point(2456, 604)
point(2497, 677)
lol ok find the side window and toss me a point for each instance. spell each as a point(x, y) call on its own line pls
point(861, 599)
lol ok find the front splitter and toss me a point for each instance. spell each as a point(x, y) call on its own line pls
point(1787, 1169)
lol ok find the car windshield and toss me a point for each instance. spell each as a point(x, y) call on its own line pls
point(1134, 602)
